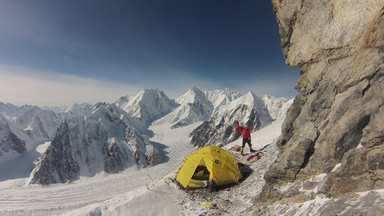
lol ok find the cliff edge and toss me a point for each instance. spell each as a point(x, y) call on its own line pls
point(332, 141)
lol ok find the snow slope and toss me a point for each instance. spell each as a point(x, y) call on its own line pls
point(151, 191)
point(166, 198)
point(16, 198)
point(117, 193)
point(126, 193)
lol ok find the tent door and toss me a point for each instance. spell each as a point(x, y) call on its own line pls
point(201, 173)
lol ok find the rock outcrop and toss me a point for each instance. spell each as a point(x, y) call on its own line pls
point(332, 140)
point(105, 141)
point(220, 128)
point(9, 142)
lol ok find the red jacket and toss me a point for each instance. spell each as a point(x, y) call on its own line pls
point(245, 131)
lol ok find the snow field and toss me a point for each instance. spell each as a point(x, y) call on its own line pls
point(16, 198)
point(164, 197)
point(147, 191)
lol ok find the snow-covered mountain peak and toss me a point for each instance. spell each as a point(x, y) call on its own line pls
point(200, 105)
point(104, 111)
point(104, 140)
point(31, 126)
point(247, 109)
point(9, 110)
point(248, 99)
point(277, 107)
point(77, 106)
point(220, 98)
point(77, 110)
point(97, 108)
point(123, 101)
point(194, 106)
point(113, 132)
point(149, 105)
point(193, 95)
point(36, 119)
point(250, 96)
point(147, 94)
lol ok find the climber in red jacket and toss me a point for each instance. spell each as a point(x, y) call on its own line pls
point(246, 136)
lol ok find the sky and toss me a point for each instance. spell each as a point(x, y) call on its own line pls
point(58, 53)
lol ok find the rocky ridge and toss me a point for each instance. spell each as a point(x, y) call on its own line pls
point(105, 140)
point(23, 128)
point(35, 125)
point(332, 141)
point(248, 109)
point(9, 142)
point(89, 139)
point(197, 105)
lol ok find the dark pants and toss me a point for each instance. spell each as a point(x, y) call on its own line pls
point(246, 141)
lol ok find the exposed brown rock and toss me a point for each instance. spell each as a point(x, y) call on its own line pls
point(335, 125)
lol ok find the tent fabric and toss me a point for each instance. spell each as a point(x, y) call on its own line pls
point(220, 163)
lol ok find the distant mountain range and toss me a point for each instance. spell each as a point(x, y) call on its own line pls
point(249, 109)
point(105, 140)
point(87, 139)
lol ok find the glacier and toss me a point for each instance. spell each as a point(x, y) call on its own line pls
point(106, 150)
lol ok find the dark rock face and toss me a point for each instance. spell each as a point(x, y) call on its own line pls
point(28, 127)
point(202, 134)
point(114, 161)
point(335, 125)
point(58, 164)
point(249, 109)
point(15, 143)
point(221, 127)
point(8, 140)
point(85, 146)
point(209, 133)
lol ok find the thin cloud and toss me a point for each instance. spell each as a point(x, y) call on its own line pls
point(21, 86)
point(24, 86)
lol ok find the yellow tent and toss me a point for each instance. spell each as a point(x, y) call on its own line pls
point(210, 162)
